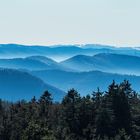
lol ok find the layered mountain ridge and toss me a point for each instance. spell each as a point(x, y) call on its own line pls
point(30, 70)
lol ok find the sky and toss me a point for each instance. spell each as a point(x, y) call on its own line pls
point(50, 22)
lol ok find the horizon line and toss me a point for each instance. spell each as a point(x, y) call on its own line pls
point(72, 44)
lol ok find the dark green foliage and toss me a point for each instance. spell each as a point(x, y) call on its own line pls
point(111, 115)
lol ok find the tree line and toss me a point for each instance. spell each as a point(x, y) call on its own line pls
point(110, 115)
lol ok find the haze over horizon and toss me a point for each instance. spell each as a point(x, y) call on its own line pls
point(88, 45)
point(51, 22)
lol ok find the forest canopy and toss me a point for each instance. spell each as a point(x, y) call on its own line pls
point(109, 115)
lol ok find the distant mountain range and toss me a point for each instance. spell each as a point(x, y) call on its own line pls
point(16, 85)
point(26, 71)
point(61, 52)
point(84, 82)
point(107, 62)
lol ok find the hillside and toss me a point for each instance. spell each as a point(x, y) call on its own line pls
point(31, 63)
point(107, 62)
point(84, 82)
point(15, 85)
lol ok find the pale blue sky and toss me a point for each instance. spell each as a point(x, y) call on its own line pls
point(43, 22)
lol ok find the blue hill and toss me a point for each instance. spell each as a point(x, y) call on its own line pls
point(84, 82)
point(31, 63)
point(16, 85)
point(107, 62)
